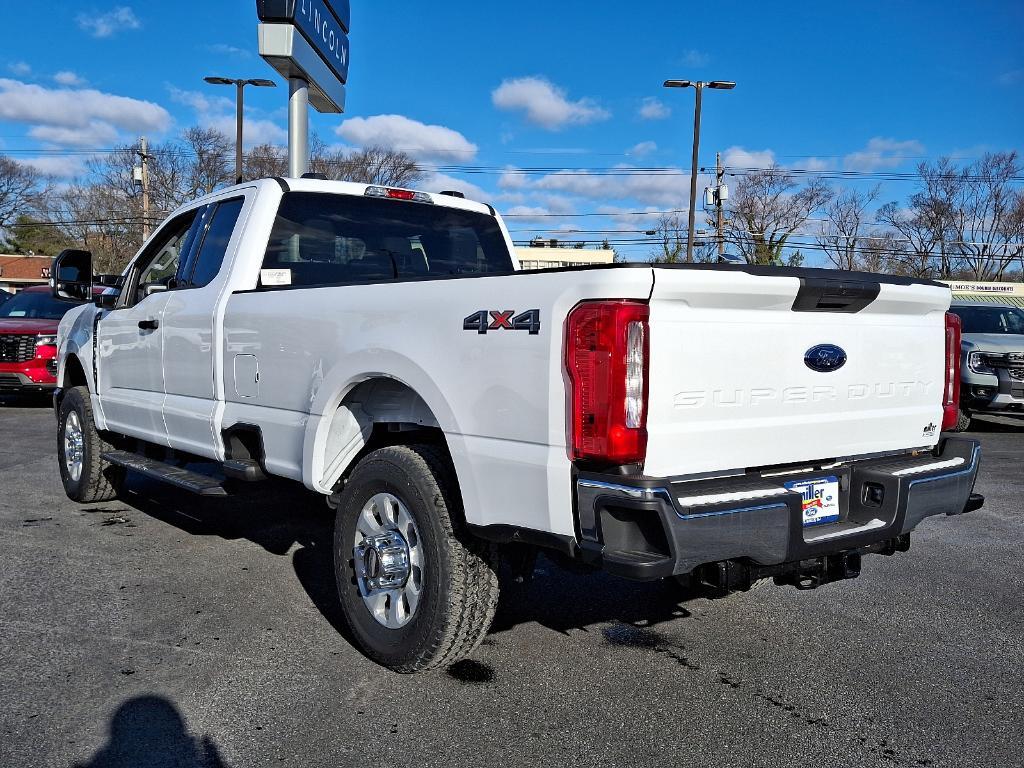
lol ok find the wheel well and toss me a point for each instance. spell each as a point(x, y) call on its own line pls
point(74, 373)
point(374, 414)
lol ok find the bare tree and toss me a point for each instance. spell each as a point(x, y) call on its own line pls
point(265, 161)
point(376, 165)
point(19, 187)
point(846, 227)
point(985, 219)
point(767, 208)
point(671, 248)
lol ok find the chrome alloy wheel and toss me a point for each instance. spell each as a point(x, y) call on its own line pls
point(388, 560)
point(74, 446)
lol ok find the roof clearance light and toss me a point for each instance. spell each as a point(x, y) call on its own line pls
point(398, 194)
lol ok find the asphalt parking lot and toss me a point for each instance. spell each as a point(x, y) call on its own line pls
point(166, 630)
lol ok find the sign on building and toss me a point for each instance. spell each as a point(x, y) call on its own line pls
point(308, 39)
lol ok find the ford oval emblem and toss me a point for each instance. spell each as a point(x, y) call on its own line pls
point(825, 358)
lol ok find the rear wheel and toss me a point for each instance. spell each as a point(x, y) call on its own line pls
point(417, 593)
point(86, 476)
point(963, 420)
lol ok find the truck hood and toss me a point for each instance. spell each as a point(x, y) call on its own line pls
point(27, 325)
point(993, 342)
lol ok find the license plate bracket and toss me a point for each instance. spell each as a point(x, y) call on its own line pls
point(820, 499)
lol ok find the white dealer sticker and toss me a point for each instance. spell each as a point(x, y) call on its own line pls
point(276, 276)
point(820, 499)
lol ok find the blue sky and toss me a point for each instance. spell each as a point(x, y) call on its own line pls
point(870, 87)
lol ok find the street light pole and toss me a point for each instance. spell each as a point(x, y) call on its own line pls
point(239, 111)
point(695, 161)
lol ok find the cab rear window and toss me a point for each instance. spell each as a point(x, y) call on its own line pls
point(325, 239)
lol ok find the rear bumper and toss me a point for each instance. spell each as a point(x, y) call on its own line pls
point(650, 528)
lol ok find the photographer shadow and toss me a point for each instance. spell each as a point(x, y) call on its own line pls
point(150, 731)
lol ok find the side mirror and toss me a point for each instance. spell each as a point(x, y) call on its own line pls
point(150, 288)
point(71, 276)
point(731, 258)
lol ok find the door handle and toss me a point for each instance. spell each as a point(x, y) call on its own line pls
point(148, 325)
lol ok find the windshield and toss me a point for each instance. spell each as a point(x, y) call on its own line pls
point(324, 239)
point(34, 306)
point(1008, 320)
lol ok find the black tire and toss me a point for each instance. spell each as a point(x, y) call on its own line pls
point(963, 420)
point(98, 480)
point(459, 581)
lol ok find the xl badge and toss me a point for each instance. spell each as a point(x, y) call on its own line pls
point(825, 358)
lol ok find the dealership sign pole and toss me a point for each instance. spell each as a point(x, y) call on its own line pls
point(306, 42)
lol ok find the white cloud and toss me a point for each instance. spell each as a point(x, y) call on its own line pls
point(545, 104)
point(643, 149)
point(58, 167)
point(107, 24)
point(200, 102)
point(882, 152)
point(79, 111)
point(229, 50)
point(441, 182)
point(738, 157)
point(512, 179)
point(694, 58)
point(558, 204)
point(1011, 77)
point(218, 112)
point(527, 213)
point(424, 142)
point(256, 131)
point(668, 188)
point(654, 109)
point(20, 68)
point(95, 134)
point(816, 164)
point(68, 78)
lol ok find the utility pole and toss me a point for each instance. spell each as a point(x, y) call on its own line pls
point(719, 175)
point(144, 179)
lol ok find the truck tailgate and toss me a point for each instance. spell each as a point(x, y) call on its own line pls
point(730, 389)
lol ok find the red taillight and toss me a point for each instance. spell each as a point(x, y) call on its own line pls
point(401, 194)
point(606, 358)
point(951, 391)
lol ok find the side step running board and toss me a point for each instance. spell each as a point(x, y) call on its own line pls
point(204, 485)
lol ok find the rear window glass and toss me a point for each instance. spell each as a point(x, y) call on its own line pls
point(325, 239)
point(1008, 320)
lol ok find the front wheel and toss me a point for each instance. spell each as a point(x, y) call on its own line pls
point(416, 592)
point(86, 476)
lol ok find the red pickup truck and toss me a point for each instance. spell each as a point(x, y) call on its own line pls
point(28, 340)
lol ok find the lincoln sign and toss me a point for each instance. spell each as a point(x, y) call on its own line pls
point(308, 39)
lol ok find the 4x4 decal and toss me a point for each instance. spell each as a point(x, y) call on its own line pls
point(503, 320)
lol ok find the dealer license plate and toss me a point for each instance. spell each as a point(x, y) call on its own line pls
point(821, 499)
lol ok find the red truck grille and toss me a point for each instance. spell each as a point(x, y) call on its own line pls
point(17, 348)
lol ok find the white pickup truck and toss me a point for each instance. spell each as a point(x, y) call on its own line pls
point(716, 424)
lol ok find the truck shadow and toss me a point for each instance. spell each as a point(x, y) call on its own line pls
point(278, 515)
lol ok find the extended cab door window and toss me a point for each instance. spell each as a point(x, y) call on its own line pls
point(210, 255)
point(330, 239)
point(157, 266)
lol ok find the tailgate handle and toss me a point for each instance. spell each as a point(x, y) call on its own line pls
point(823, 295)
